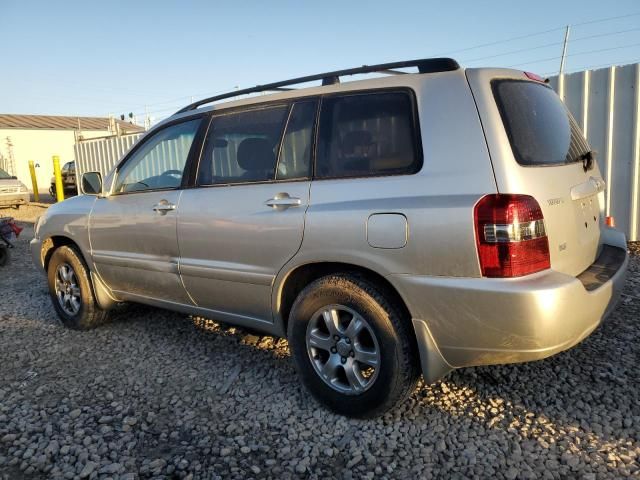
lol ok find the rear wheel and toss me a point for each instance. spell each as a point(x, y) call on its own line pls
point(351, 346)
point(71, 291)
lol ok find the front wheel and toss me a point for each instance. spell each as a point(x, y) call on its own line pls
point(352, 349)
point(71, 292)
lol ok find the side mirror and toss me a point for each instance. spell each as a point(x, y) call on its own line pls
point(92, 183)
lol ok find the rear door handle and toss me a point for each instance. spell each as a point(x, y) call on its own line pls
point(282, 201)
point(163, 207)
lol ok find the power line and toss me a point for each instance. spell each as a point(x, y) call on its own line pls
point(605, 34)
point(520, 37)
point(589, 22)
point(601, 65)
point(575, 54)
point(535, 34)
point(554, 44)
point(497, 42)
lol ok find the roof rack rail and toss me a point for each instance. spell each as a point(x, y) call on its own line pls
point(425, 65)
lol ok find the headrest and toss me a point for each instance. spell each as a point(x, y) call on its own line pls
point(357, 138)
point(256, 154)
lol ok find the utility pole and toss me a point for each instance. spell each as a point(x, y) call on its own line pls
point(564, 49)
point(147, 120)
point(562, 59)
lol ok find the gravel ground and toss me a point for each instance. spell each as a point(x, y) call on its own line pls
point(158, 394)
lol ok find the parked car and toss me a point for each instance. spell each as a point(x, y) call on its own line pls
point(68, 174)
point(13, 192)
point(386, 227)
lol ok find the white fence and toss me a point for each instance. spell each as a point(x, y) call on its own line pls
point(605, 102)
point(101, 154)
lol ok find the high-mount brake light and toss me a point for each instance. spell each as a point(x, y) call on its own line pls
point(535, 77)
point(510, 236)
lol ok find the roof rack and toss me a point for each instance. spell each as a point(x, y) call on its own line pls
point(425, 65)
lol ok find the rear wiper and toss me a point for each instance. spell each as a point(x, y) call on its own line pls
point(588, 160)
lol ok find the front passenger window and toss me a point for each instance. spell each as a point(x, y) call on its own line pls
point(160, 161)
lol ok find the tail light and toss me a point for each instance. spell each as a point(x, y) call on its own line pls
point(510, 236)
point(535, 77)
point(16, 229)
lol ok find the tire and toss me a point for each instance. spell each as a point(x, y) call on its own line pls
point(5, 255)
point(83, 313)
point(377, 389)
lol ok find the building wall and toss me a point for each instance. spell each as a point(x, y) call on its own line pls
point(40, 146)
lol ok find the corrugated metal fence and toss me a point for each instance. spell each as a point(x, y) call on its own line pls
point(606, 105)
point(101, 154)
point(605, 102)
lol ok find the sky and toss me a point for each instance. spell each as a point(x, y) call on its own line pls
point(99, 58)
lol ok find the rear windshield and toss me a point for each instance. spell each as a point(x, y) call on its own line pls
point(541, 130)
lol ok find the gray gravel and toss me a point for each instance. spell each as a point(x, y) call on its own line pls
point(158, 394)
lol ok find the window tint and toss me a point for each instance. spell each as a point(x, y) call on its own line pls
point(541, 130)
point(295, 153)
point(159, 162)
point(242, 146)
point(367, 134)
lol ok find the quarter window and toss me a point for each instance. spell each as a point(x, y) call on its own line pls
point(242, 146)
point(367, 134)
point(159, 163)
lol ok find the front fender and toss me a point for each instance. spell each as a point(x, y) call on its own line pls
point(69, 220)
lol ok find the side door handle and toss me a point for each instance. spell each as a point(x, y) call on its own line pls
point(282, 201)
point(163, 206)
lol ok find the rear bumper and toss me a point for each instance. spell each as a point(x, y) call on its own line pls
point(483, 321)
point(11, 199)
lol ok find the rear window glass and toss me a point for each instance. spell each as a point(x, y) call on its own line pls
point(540, 128)
point(367, 134)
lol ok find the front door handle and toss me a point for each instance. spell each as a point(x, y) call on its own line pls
point(282, 201)
point(163, 206)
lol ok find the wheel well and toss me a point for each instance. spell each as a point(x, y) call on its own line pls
point(302, 276)
point(51, 244)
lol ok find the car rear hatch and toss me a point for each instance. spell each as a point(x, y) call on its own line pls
point(538, 149)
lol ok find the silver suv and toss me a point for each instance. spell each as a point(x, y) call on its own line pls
point(410, 223)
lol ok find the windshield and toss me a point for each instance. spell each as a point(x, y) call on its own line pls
point(540, 128)
point(4, 174)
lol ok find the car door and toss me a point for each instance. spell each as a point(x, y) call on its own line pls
point(133, 229)
point(245, 219)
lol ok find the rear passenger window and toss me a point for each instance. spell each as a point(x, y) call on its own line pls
point(242, 147)
point(366, 135)
point(295, 154)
